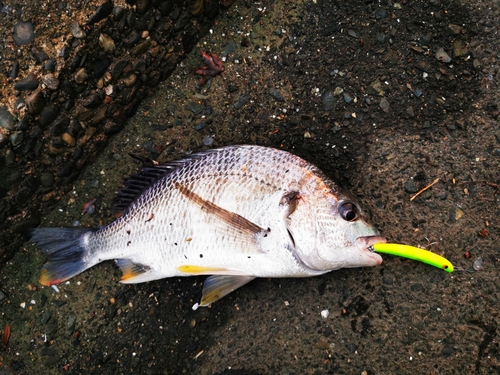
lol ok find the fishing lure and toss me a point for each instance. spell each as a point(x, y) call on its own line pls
point(414, 253)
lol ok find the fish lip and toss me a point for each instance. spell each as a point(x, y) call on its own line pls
point(372, 240)
point(367, 243)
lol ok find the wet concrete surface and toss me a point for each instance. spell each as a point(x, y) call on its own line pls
point(366, 94)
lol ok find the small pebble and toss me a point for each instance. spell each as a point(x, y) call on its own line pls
point(230, 48)
point(100, 66)
point(132, 78)
point(50, 65)
point(425, 40)
point(23, 33)
point(455, 29)
point(71, 324)
point(459, 48)
point(241, 101)
point(6, 119)
point(347, 98)
point(276, 94)
point(141, 48)
point(10, 157)
point(46, 317)
point(50, 81)
point(39, 56)
point(338, 91)
point(459, 213)
point(48, 115)
point(28, 83)
point(328, 101)
point(4, 139)
point(380, 14)
point(102, 12)
point(201, 125)
point(16, 138)
point(47, 179)
point(410, 187)
point(442, 56)
point(208, 140)
point(81, 75)
point(194, 107)
point(15, 70)
point(478, 264)
point(64, 52)
point(76, 30)
point(323, 345)
point(325, 313)
point(107, 43)
point(68, 139)
point(384, 105)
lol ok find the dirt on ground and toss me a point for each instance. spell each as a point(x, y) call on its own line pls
point(386, 98)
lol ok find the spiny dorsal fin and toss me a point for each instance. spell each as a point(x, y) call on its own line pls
point(136, 184)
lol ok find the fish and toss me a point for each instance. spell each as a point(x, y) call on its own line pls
point(234, 213)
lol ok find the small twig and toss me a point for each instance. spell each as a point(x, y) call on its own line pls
point(424, 189)
point(198, 355)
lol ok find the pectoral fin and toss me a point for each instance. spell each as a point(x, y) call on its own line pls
point(240, 234)
point(234, 220)
point(216, 287)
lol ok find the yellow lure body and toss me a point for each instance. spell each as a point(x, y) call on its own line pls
point(414, 253)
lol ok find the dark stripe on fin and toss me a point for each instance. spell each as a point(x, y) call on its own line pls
point(234, 220)
point(216, 287)
point(65, 250)
point(135, 185)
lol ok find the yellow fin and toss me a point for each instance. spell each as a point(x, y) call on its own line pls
point(199, 270)
point(216, 287)
point(130, 270)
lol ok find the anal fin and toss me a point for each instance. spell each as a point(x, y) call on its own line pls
point(216, 287)
point(135, 273)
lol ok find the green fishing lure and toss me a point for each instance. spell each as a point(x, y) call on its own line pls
point(414, 253)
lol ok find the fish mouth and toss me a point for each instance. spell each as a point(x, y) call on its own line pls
point(367, 242)
point(372, 240)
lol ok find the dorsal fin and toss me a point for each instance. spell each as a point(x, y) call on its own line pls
point(136, 184)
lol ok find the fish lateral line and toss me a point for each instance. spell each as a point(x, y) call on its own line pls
point(414, 253)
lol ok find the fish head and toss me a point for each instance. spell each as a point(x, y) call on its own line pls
point(330, 231)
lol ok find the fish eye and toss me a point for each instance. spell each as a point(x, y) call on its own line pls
point(348, 211)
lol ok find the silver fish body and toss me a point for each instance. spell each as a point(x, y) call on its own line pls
point(235, 213)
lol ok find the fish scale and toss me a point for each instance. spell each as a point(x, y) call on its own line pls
point(235, 213)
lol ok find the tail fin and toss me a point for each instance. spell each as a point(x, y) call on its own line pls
point(66, 251)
